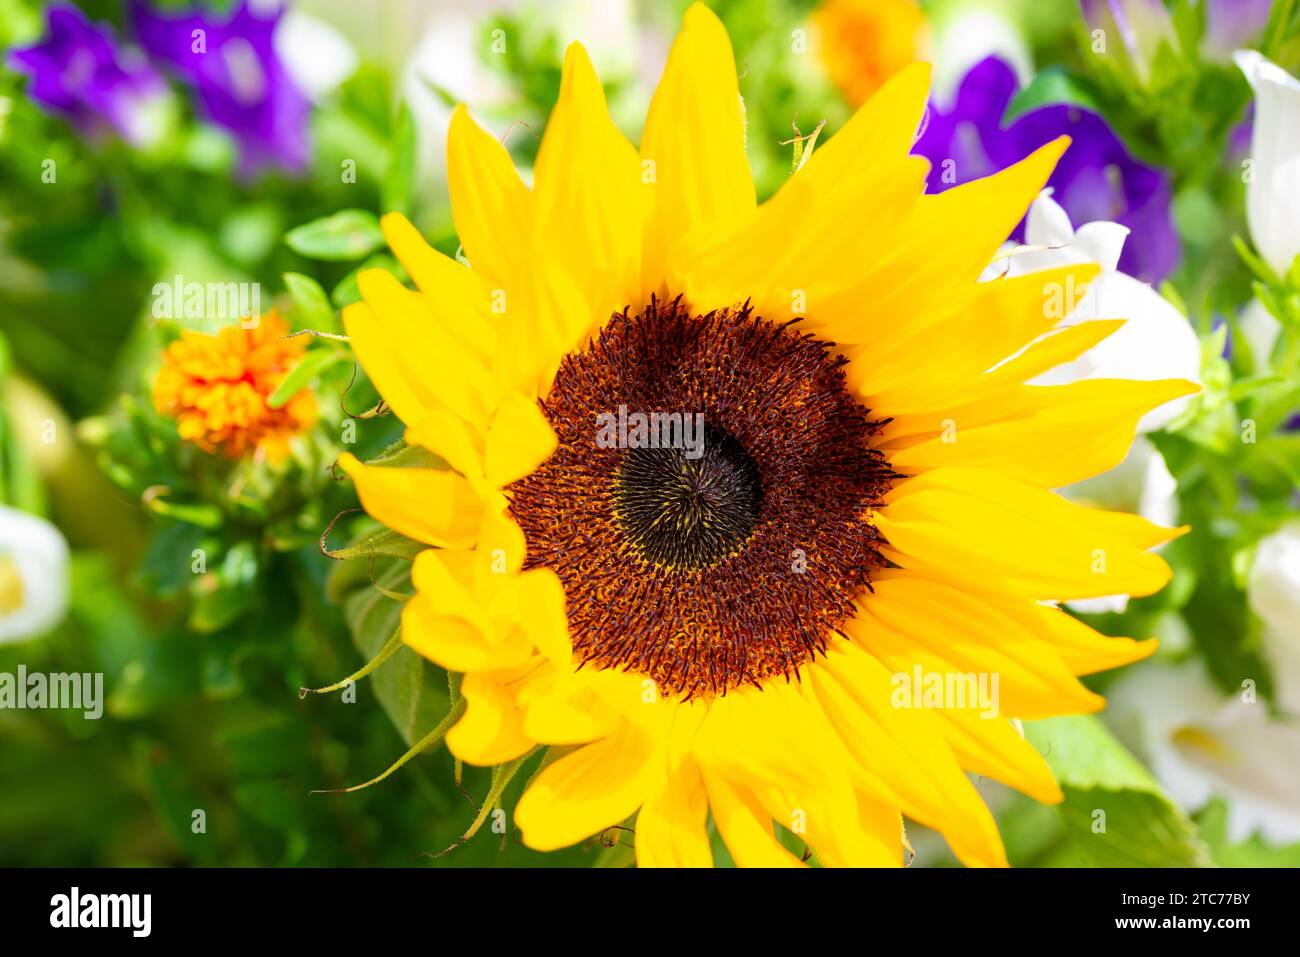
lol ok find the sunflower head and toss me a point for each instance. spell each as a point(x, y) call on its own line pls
point(710, 628)
point(217, 389)
point(731, 566)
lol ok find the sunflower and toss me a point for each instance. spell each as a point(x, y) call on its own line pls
point(720, 633)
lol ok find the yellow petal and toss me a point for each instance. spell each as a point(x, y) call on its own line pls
point(768, 736)
point(442, 368)
point(1058, 346)
point(909, 621)
point(501, 547)
point(430, 505)
point(992, 322)
point(491, 730)
point(455, 293)
point(885, 127)
point(453, 642)
point(930, 273)
point(451, 438)
point(397, 381)
point(800, 247)
point(590, 203)
point(670, 829)
point(599, 785)
point(808, 240)
point(745, 827)
point(998, 394)
point(518, 440)
point(447, 624)
point(543, 314)
point(1025, 538)
point(541, 613)
point(904, 751)
point(1084, 650)
point(565, 709)
point(1058, 435)
point(832, 822)
point(695, 140)
point(486, 193)
point(996, 749)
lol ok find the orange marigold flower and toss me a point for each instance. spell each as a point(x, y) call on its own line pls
point(216, 387)
point(865, 42)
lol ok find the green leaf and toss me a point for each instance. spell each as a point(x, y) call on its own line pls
point(175, 798)
point(395, 193)
point(1189, 25)
point(347, 235)
point(1254, 263)
point(314, 310)
point(385, 541)
point(401, 455)
point(227, 593)
point(204, 515)
point(1052, 86)
point(310, 367)
point(1114, 813)
point(412, 691)
point(1252, 852)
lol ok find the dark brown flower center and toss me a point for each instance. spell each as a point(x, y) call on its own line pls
point(706, 507)
point(683, 511)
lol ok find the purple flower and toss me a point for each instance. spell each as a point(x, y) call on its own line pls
point(1232, 24)
point(78, 71)
point(1097, 179)
point(242, 84)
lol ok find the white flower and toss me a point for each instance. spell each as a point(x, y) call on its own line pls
point(1273, 189)
point(1156, 341)
point(1141, 483)
point(33, 575)
point(968, 36)
point(1200, 745)
point(317, 56)
point(1273, 590)
point(1260, 329)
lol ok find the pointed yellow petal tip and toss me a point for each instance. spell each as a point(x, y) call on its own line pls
point(1144, 649)
point(699, 14)
point(1060, 145)
point(391, 223)
point(367, 282)
point(1042, 161)
point(350, 463)
point(575, 58)
point(460, 125)
point(1053, 151)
